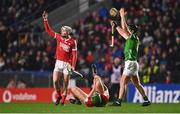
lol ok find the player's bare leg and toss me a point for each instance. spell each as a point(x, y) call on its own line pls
point(123, 96)
point(66, 82)
point(99, 86)
point(137, 84)
point(123, 85)
point(56, 78)
point(79, 94)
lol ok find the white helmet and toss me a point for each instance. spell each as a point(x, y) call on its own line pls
point(68, 29)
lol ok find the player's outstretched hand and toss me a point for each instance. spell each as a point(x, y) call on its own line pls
point(113, 24)
point(45, 15)
point(122, 12)
point(94, 68)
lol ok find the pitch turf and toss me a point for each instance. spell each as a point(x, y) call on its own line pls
point(70, 108)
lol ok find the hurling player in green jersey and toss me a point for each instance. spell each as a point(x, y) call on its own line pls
point(130, 72)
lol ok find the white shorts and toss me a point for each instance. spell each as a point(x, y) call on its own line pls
point(131, 68)
point(62, 66)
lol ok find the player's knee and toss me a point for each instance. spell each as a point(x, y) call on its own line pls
point(66, 77)
point(55, 81)
point(73, 89)
point(66, 81)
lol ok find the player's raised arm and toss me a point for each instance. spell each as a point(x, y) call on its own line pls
point(48, 29)
point(123, 20)
point(124, 33)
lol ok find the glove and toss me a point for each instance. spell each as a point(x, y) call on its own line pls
point(114, 23)
point(94, 68)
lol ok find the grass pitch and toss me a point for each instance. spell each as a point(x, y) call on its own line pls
point(70, 108)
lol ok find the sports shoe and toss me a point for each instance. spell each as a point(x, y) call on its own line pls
point(72, 101)
point(57, 101)
point(146, 103)
point(75, 101)
point(116, 103)
point(78, 102)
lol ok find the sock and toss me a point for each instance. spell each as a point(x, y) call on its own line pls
point(58, 93)
point(63, 99)
point(145, 98)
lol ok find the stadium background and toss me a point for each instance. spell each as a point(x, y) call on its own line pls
point(26, 51)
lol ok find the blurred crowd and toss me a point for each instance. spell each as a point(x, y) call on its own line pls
point(23, 48)
point(159, 56)
point(19, 49)
point(20, 84)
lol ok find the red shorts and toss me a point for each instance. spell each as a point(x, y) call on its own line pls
point(89, 102)
point(105, 99)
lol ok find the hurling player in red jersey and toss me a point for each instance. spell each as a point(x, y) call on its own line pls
point(66, 56)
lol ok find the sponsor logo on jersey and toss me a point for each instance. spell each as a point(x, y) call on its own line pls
point(65, 47)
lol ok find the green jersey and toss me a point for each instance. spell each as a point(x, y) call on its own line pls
point(131, 48)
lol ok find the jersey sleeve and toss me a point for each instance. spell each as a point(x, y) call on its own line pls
point(74, 47)
point(74, 54)
point(49, 30)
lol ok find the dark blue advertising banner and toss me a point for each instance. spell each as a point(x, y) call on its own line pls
point(157, 93)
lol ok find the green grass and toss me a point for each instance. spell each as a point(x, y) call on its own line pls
point(70, 108)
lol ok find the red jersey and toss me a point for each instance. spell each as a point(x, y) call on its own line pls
point(64, 47)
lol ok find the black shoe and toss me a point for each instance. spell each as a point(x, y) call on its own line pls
point(57, 101)
point(72, 101)
point(146, 103)
point(78, 102)
point(116, 103)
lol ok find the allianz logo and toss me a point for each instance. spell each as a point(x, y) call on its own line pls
point(158, 96)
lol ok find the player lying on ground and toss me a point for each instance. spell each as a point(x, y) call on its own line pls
point(130, 71)
point(66, 56)
point(98, 96)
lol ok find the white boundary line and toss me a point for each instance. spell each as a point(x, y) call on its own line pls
point(91, 113)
